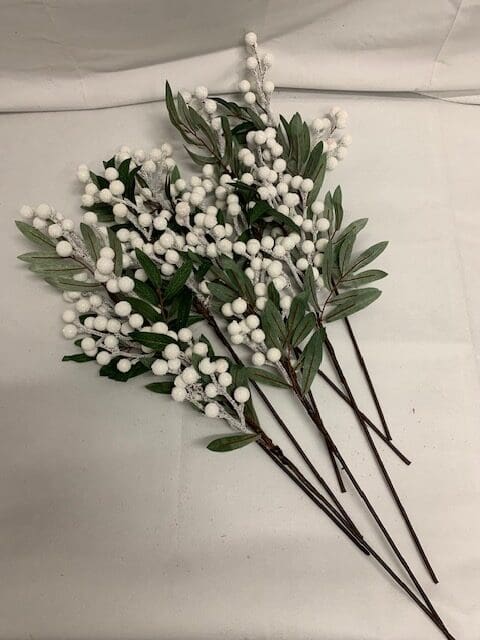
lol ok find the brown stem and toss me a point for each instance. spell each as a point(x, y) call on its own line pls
point(379, 461)
point(292, 470)
point(366, 373)
point(314, 415)
point(364, 546)
point(366, 419)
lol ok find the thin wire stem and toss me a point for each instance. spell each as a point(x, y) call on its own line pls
point(366, 373)
point(363, 546)
point(366, 419)
point(380, 462)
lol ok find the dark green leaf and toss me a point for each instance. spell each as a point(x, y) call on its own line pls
point(150, 268)
point(145, 292)
point(155, 341)
point(311, 288)
point(144, 309)
point(229, 443)
point(312, 358)
point(297, 311)
point(273, 326)
point(328, 266)
point(221, 292)
point(165, 386)
point(77, 357)
point(318, 182)
point(179, 279)
point(99, 181)
point(116, 245)
point(266, 376)
point(303, 328)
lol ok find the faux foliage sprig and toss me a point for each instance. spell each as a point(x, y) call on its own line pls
point(247, 245)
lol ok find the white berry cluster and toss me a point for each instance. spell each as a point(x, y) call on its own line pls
point(202, 380)
point(257, 89)
point(202, 216)
point(329, 130)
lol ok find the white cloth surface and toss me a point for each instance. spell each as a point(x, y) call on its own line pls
point(66, 54)
point(115, 520)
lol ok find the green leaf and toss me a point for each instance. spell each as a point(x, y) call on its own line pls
point(328, 266)
point(34, 235)
point(318, 182)
point(273, 325)
point(267, 376)
point(116, 245)
point(109, 163)
point(242, 283)
point(32, 256)
point(91, 240)
point(69, 284)
point(183, 307)
point(298, 309)
point(312, 358)
point(273, 294)
point(165, 386)
point(99, 181)
point(178, 279)
point(199, 159)
point(110, 371)
point(303, 328)
point(124, 170)
point(346, 305)
point(314, 162)
point(363, 278)
point(353, 228)
point(150, 268)
point(345, 252)
point(367, 256)
point(145, 292)
point(155, 341)
point(130, 184)
point(221, 292)
point(337, 203)
point(77, 357)
point(144, 309)
point(230, 443)
point(54, 266)
point(311, 288)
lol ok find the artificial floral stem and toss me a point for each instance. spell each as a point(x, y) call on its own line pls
point(214, 326)
point(369, 423)
point(313, 413)
point(366, 373)
point(367, 549)
point(379, 461)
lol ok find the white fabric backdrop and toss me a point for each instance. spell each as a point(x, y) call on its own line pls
point(117, 523)
point(63, 54)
